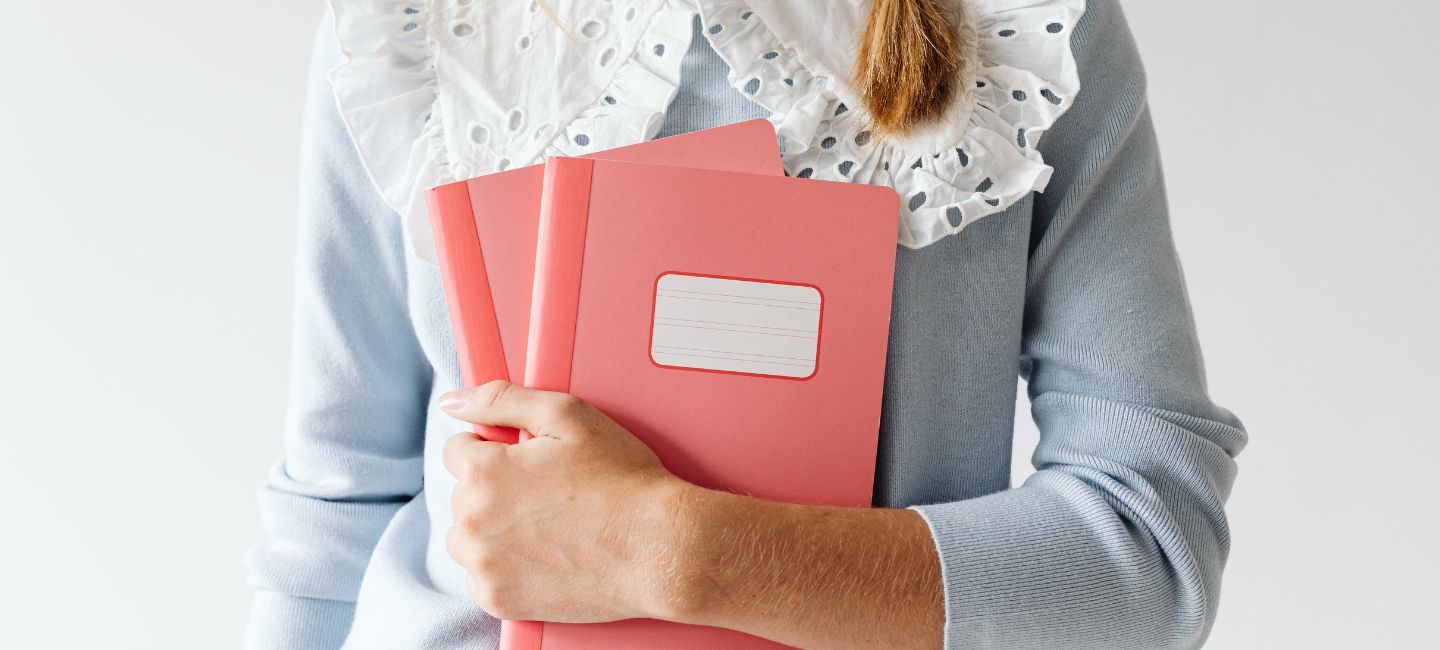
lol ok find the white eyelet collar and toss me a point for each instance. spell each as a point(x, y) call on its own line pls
point(434, 91)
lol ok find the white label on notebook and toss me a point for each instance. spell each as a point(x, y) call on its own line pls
point(730, 325)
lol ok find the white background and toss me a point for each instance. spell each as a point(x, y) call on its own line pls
point(147, 178)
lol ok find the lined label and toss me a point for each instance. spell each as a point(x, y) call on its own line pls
point(741, 326)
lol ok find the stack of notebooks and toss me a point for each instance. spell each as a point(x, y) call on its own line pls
point(732, 318)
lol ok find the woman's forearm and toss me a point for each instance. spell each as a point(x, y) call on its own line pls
point(808, 576)
point(584, 524)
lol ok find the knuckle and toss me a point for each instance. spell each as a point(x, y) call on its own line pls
point(505, 603)
point(570, 405)
point(567, 409)
point(469, 521)
point(485, 562)
point(473, 510)
point(476, 469)
point(467, 471)
point(475, 557)
point(455, 445)
point(491, 596)
point(494, 392)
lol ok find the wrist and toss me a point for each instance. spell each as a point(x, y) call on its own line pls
point(679, 575)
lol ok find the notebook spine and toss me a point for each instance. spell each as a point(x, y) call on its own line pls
point(559, 258)
point(467, 292)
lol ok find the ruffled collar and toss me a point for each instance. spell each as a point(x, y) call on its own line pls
point(440, 90)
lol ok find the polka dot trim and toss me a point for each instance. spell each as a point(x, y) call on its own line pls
point(980, 161)
point(1022, 79)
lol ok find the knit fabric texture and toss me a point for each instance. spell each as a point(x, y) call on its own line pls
point(1117, 541)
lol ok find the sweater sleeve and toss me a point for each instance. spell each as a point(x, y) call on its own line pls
point(1119, 538)
point(358, 390)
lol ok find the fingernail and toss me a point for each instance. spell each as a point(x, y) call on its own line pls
point(453, 400)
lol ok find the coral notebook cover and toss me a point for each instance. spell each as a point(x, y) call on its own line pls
point(485, 238)
point(736, 323)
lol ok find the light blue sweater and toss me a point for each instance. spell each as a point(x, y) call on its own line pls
point(1117, 541)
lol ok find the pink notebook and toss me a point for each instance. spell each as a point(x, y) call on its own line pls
point(485, 235)
point(736, 323)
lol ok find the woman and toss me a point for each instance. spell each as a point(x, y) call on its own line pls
point(1117, 541)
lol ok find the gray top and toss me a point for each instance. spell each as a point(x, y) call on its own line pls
point(1117, 541)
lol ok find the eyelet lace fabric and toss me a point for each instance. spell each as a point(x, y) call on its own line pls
point(442, 90)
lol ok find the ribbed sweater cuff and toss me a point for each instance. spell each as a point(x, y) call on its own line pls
point(284, 621)
point(1004, 558)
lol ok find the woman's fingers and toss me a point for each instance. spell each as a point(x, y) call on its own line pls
point(471, 458)
point(501, 403)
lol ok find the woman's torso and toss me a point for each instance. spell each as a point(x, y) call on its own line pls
point(948, 405)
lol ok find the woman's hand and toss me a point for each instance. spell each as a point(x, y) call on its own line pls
point(572, 526)
point(582, 524)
